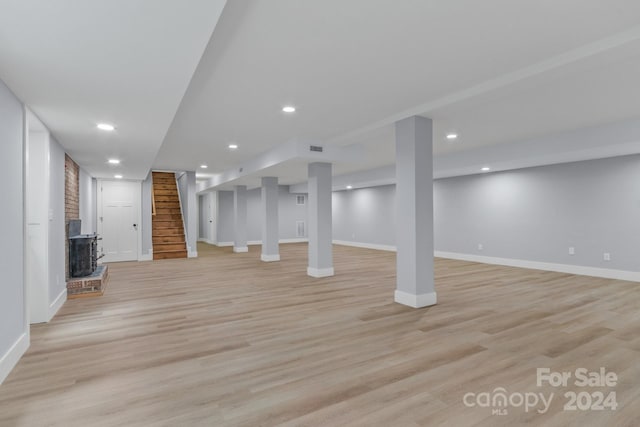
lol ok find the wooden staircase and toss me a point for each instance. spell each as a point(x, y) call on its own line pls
point(168, 228)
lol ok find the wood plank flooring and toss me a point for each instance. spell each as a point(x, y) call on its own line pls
point(226, 340)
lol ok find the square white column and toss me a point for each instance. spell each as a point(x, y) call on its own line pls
point(270, 234)
point(240, 219)
point(320, 221)
point(414, 212)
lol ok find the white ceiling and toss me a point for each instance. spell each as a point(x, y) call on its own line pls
point(126, 62)
point(496, 72)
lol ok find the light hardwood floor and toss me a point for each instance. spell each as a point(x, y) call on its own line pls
point(225, 340)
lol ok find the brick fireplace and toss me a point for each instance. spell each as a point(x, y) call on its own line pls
point(94, 284)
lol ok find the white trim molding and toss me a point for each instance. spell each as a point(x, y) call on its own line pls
point(191, 254)
point(365, 245)
point(294, 240)
point(270, 258)
point(147, 257)
point(57, 303)
point(10, 359)
point(320, 272)
point(606, 273)
point(415, 301)
point(210, 242)
point(259, 242)
point(240, 249)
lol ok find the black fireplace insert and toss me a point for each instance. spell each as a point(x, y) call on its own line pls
point(83, 251)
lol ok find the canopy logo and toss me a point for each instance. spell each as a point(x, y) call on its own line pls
point(499, 400)
point(592, 399)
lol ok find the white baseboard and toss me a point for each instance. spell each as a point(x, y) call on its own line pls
point(606, 273)
point(294, 240)
point(415, 301)
point(209, 242)
point(240, 249)
point(57, 303)
point(270, 258)
point(281, 241)
point(147, 257)
point(546, 266)
point(365, 245)
point(320, 272)
point(192, 254)
point(259, 242)
point(10, 359)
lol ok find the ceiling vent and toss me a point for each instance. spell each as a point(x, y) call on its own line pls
point(315, 148)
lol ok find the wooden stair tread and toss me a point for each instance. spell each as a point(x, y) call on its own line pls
point(168, 235)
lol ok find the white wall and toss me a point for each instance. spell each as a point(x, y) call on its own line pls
point(187, 189)
point(536, 214)
point(288, 214)
point(57, 235)
point(146, 223)
point(45, 213)
point(38, 212)
point(366, 215)
point(532, 214)
point(224, 224)
point(87, 202)
point(14, 328)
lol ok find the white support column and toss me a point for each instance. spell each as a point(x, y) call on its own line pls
point(270, 234)
point(320, 221)
point(240, 218)
point(414, 212)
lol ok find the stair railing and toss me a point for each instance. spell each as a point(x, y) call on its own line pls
point(153, 200)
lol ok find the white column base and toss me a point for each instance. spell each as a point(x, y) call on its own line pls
point(270, 258)
point(415, 301)
point(240, 249)
point(320, 272)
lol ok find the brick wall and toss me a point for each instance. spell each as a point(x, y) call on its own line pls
point(71, 200)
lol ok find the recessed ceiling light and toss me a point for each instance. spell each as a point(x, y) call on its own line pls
point(452, 136)
point(114, 161)
point(289, 109)
point(349, 187)
point(117, 176)
point(204, 166)
point(485, 169)
point(106, 126)
point(233, 146)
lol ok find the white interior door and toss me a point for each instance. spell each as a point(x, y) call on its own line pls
point(207, 217)
point(203, 220)
point(119, 220)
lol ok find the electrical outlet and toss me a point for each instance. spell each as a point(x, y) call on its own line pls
point(607, 256)
point(572, 250)
point(480, 246)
